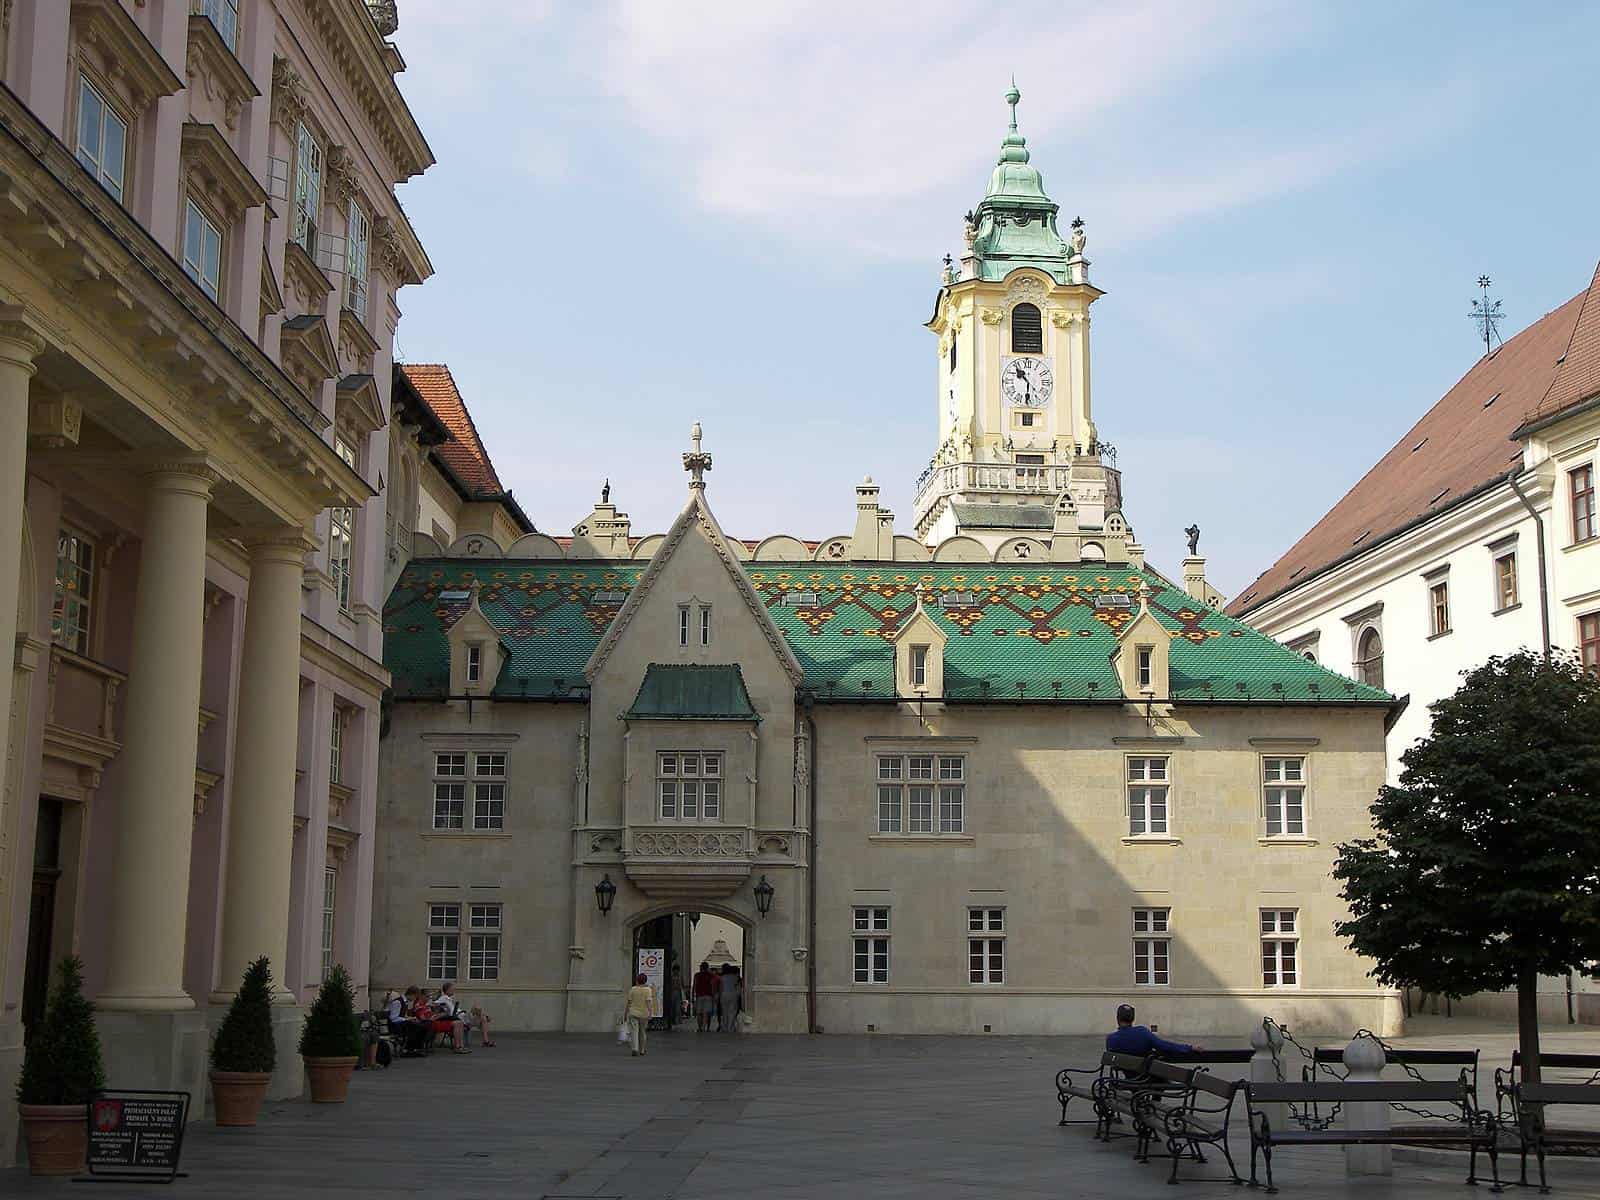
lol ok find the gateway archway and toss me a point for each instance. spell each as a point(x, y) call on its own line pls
point(662, 939)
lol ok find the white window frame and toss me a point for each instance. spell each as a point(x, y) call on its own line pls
point(450, 791)
point(1501, 602)
point(1585, 524)
point(1279, 785)
point(683, 625)
point(489, 791)
point(1148, 774)
point(1152, 947)
point(306, 215)
point(919, 667)
point(921, 794)
point(358, 240)
point(986, 945)
point(336, 746)
point(1280, 948)
point(200, 234)
point(1439, 607)
point(443, 941)
point(869, 944)
point(342, 535)
point(224, 15)
point(93, 157)
point(330, 899)
point(485, 940)
point(1146, 659)
point(690, 779)
point(73, 613)
point(705, 624)
point(474, 671)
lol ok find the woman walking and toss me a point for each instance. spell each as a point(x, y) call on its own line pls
point(640, 1001)
point(729, 999)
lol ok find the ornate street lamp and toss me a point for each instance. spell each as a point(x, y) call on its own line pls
point(763, 896)
point(604, 893)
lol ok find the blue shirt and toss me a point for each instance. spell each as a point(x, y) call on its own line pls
point(1138, 1040)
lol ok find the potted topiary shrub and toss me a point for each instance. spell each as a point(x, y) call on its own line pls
point(243, 1054)
point(61, 1070)
point(330, 1040)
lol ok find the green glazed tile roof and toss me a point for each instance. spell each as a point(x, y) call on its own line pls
point(1003, 516)
point(707, 693)
point(1048, 628)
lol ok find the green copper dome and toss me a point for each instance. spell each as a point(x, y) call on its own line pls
point(1016, 223)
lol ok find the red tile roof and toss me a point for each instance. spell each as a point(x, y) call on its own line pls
point(463, 453)
point(1464, 442)
point(1578, 377)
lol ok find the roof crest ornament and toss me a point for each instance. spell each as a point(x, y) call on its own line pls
point(1015, 147)
point(695, 461)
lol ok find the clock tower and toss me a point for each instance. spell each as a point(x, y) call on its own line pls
point(1017, 443)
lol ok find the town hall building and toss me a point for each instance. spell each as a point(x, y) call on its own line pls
point(992, 774)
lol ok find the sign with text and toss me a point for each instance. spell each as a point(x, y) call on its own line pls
point(137, 1135)
point(653, 966)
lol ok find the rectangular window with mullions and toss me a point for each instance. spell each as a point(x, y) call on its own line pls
point(102, 138)
point(922, 793)
point(202, 249)
point(689, 786)
point(986, 945)
point(483, 941)
point(1284, 795)
point(1148, 781)
point(870, 945)
point(1152, 947)
point(1280, 947)
point(444, 941)
point(449, 790)
point(75, 567)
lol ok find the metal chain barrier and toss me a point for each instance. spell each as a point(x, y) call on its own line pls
point(1306, 1117)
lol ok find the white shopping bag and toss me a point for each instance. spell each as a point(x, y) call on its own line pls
point(622, 1033)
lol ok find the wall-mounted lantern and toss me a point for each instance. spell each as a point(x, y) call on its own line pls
point(604, 893)
point(764, 892)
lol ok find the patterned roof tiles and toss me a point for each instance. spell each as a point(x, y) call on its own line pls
point(1034, 634)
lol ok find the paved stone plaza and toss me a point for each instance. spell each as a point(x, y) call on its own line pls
point(708, 1117)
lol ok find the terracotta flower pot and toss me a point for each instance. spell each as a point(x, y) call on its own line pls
point(329, 1078)
point(237, 1095)
point(58, 1137)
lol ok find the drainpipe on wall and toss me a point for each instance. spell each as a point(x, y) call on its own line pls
point(811, 872)
point(1544, 582)
point(1544, 631)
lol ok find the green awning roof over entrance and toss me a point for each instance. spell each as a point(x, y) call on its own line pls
point(674, 692)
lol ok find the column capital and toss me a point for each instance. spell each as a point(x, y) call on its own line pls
point(21, 341)
point(276, 543)
point(181, 472)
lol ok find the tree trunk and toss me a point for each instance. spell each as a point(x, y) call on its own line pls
point(1528, 1021)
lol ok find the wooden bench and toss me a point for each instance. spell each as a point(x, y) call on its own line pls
point(1467, 1127)
point(1521, 1109)
point(1193, 1110)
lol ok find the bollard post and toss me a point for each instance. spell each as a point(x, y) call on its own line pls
point(1267, 1042)
point(1363, 1063)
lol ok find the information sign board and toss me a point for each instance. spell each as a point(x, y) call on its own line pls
point(136, 1135)
point(653, 966)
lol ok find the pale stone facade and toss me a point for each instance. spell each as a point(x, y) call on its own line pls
point(996, 777)
point(200, 252)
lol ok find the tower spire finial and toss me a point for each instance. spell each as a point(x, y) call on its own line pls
point(1012, 96)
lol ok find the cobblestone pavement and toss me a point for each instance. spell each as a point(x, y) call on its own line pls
point(712, 1117)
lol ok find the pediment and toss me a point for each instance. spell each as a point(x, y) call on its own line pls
point(211, 166)
point(307, 351)
point(359, 405)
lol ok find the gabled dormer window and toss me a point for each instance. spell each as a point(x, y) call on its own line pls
point(1027, 330)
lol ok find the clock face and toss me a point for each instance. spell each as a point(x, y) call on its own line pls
point(1026, 381)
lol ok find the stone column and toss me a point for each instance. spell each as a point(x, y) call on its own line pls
point(19, 346)
point(147, 907)
point(255, 918)
point(255, 906)
point(1364, 1061)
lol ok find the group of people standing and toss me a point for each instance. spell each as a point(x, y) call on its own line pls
point(717, 994)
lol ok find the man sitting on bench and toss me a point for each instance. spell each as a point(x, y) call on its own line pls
point(1139, 1040)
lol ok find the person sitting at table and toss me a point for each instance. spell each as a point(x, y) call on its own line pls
point(446, 1004)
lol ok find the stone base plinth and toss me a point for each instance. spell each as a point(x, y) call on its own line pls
point(160, 1051)
point(10, 1071)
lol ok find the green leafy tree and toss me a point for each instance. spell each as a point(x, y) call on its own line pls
point(1485, 872)
point(332, 1029)
point(244, 1039)
point(61, 1064)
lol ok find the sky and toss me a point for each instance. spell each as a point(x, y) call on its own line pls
point(647, 213)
